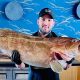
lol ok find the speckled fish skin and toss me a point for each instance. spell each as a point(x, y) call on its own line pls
point(37, 51)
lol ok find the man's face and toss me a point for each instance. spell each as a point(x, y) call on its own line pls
point(45, 23)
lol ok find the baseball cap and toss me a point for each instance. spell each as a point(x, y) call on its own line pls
point(46, 11)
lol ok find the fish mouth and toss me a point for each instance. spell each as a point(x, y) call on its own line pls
point(79, 48)
point(58, 56)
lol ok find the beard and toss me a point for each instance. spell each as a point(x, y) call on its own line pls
point(44, 31)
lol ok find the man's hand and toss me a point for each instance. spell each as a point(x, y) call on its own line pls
point(68, 59)
point(16, 59)
point(65, 59)
point(21, 66)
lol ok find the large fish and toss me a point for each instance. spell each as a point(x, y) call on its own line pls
point(37, 51)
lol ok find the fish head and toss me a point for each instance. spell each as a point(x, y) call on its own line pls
point(74, 49)
point(78, 52)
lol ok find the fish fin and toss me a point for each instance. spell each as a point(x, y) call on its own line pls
point(56, 66)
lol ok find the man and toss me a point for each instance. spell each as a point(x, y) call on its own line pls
point(46, 23)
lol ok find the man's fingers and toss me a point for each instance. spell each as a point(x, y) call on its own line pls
point(22, 65)
point(61, 56)
point(65, 57)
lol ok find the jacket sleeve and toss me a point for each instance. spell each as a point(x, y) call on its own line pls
point(16, 57)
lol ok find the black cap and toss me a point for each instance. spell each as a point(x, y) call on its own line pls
point(46, 11)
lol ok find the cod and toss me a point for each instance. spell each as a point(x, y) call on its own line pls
point(37, 51)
